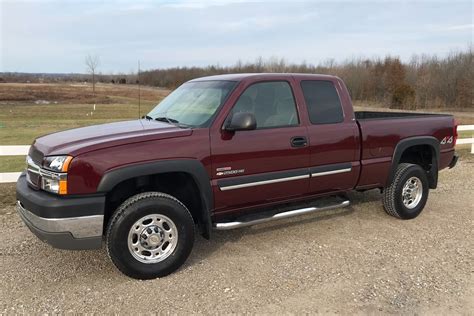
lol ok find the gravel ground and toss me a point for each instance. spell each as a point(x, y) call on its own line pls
point(355, 260)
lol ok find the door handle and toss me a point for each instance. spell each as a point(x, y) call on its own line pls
point(299, 141)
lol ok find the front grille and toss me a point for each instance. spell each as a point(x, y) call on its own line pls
point(33, 175)
point(36, 155)
point(34, 162)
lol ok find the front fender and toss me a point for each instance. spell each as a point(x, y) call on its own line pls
point(190, 166)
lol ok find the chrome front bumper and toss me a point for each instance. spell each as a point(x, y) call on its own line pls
point(84, 232)
point(63, 222)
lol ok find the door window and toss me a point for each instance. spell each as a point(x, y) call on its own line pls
point(272, 103)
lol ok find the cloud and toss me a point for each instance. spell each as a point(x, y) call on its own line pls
point(451, 28)
point(54, 36)
point(459, 27)
point(192, 4)
point(267, 21)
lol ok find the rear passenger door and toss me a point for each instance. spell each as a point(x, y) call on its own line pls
point(265, 165)
point(333, 137)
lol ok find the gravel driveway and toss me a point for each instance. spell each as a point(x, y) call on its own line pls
point(354, 260)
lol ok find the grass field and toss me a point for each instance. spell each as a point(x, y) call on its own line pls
point(23, 118)
point(31, 110)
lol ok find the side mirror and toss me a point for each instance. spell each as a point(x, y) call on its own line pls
point(241, 122)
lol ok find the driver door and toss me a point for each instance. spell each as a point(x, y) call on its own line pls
point(268, 164)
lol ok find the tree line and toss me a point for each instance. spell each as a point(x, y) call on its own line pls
point(423, 82)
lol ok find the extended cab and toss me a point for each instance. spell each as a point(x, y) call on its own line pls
point(224, 152)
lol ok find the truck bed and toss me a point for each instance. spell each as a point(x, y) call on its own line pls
point(382, 131)
point(371, 115)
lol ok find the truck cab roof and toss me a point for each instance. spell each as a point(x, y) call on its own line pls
point(264, 76)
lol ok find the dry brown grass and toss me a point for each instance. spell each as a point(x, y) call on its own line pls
point(7, 196)
point(76, 93)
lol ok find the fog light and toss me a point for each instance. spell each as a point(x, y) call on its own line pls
point(50, 185)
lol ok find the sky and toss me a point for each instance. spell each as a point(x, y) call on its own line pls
point(56, 36)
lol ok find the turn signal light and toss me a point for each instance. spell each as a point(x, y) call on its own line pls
point(63, 187)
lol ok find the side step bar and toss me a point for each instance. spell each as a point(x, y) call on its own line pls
point(277, 216)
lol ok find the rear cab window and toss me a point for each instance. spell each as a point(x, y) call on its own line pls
point(322, 101)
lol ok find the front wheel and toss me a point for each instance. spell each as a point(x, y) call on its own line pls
point(406, 196)
point(150, 235)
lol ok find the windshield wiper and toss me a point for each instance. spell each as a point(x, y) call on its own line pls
point(172, 121)
point(166, 119)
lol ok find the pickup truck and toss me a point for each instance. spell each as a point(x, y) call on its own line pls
point(224, 152)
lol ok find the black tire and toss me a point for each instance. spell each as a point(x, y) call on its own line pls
point(392, 195)
point(134, 209)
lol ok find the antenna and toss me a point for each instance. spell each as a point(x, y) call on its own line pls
point(138, 89)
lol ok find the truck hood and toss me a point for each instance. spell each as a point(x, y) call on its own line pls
point(80, 140)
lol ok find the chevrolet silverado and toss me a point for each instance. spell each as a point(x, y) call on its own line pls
point(225, 152)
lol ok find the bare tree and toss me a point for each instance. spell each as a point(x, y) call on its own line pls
point(92, 63)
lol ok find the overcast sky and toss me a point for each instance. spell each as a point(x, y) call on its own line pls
point(55, 36)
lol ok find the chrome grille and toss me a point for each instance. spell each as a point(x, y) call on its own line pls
point(33, 173)
point(36, 155)
point(34, 161)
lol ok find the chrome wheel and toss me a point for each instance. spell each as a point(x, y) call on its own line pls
point(152, 238)
point(412, 192)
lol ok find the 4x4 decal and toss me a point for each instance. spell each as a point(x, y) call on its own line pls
point(447, 140)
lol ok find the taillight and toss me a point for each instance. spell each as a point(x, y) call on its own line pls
point(455, 132)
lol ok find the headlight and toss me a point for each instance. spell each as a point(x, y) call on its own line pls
point(54, 174)
point(57, 163)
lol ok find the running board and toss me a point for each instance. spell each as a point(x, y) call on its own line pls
point(277, 216)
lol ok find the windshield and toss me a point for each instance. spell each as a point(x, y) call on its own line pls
point(193, 103)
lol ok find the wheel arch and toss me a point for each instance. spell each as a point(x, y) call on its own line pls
point(191, 167)
point(413, 143)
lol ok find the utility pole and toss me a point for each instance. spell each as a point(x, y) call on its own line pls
point(138, 89)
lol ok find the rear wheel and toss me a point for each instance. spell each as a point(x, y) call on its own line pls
point(406, 196)
point(150, 235)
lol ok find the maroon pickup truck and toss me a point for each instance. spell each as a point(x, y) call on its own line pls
point(225, 152)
